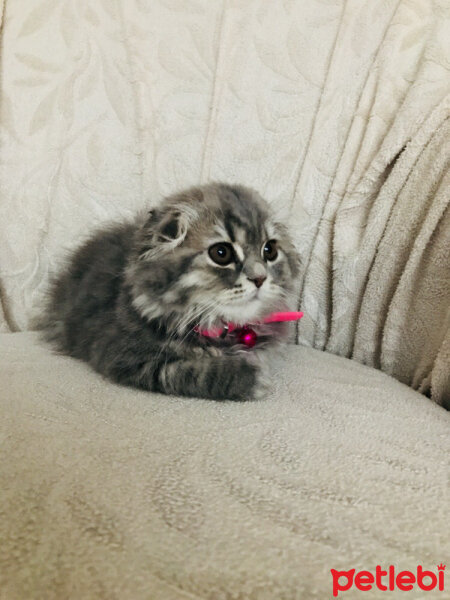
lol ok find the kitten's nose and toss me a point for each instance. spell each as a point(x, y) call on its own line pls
point(258, 281)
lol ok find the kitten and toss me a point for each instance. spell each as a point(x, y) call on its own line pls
point(134, 295)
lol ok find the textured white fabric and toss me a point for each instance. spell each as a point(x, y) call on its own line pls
point(107, 492)
point(336, 111)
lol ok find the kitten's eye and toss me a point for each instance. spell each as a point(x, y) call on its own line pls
point(270, 251)
point(221, 253)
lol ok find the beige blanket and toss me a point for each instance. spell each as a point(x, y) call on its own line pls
point(110, 493)
point(336, 111)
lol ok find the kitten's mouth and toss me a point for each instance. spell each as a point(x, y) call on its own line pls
point(252, 297)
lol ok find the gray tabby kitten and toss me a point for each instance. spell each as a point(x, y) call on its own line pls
point(134, 294)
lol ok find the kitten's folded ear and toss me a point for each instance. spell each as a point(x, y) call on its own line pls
point(165, 229)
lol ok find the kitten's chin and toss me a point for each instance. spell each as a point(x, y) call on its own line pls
point(245, 313)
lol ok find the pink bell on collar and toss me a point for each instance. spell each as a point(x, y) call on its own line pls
point(246, 336)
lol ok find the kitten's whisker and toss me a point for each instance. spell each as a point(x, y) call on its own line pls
point(200, 310)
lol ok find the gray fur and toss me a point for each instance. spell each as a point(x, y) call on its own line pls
point(131, 296)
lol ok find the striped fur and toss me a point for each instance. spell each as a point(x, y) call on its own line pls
point(130, 297)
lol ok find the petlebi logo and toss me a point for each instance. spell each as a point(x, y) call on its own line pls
point(388, 580)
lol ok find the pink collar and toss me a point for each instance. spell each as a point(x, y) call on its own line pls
point(245, 334)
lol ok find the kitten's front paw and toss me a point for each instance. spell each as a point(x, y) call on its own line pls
point(262, 386)
point(202, 351)
point(252, 379)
